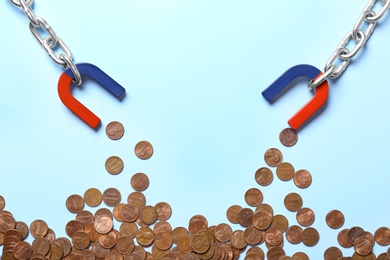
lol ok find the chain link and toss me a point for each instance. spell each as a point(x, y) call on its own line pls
point(357, 36)
point(51, 42)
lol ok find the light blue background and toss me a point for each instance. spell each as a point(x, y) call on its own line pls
point(194, 72)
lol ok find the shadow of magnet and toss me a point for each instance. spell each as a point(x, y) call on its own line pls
point(319, 98)
point(86, 69)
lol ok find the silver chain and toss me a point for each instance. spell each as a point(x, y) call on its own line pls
point(368, 20)
point(50, 42)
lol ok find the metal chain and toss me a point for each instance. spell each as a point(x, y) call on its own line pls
point(50, 42)
point(368, 20)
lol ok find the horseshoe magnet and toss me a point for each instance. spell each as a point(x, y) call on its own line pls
point(319, 98)
point(64, 91)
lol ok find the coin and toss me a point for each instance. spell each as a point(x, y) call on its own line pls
point(108, 240)
point(148, 215)
point(382, 236)
point(273, 157)
point(232, 213)
point(252, 235)
point(354, 233)
point(222, 232)
point(294, 234)
point(300, 256)
point(264, 176)
point(65, 245)
point(273, 236)
point(85, 217)
point(103, 224)
point(81, 240)
point(310, 236)
point(285, 171)
point(275, 253)
point(253, 197)
point(293, 202)
point(22, 228)
point(178, 232)
point(164, 211)
point(363, 246)
point(342, 238)
point(288, 137)
point(38, 228)
point(115, 130)
point(139, 181)
point(2, 203)
point(197, 223)
point(93, 197)
point(145, 236)
point(244, 217)
point(183, 244)
point(280, 222)
point(40, 245)
point(114, 165)
point(22, 250)
point(332, 253)
point(302, 179)
point(143, 150)
point(305, 217)
point(128, 229)
point(125, 245)
point(112, 197)
point(335, 219)
point(199, 243)
point(129, 213)
point(75, 203)
point(137, 199)
point(237, 239)
point(163, 241)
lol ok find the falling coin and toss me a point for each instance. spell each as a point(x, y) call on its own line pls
point(273, 157)
point(143, 150)
point(115, 130)
point(114, 165)
point(288, 137)
point(335, 219)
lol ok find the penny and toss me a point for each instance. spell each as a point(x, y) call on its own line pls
point(81, 240)
point(177, 233)
point(75, 203)
point(143, 150)
point(104, 211)
point(232, 213)
point(363, 246)
point(103, 224)
point(40, 245)
point(275, 253)
point(22, 250)
point(190, 256)
point(164, 211)
point(257, 251)
point(108, 240)
point(302, 179)
point(56, 251)
point(50, 235)
point(163, 241)
point(148, 215)
point(285, 171)
point(273, 236)
point(356, 256)
point(128, 229)
point(115, 130)
point(280, 222)
point(91, 231)
point(244, 217)
point(262, 220)
point(22, 228)
point(99, 251)
point(93, 197)
point(265, 207)
point(112, 197)
point(253, 256)
point(354, 233)
point(199, 243)
point(129, 213)
point(114, 255)
point(183, 244)
point(72, 227)
point(237, 239)
point(114, 165)
point(208, 254)
point(382, 236)
point(65, 245)
point(125, 245)
point(197, 223)
point(294, 234)
point(293, 202)
point(85, 217)
point(288, 137)
point(38, 228)
point(310, 236)
point(137, 199)
point(273, 157)
point(342, 238)
point(335, 219)
point(305, 217)
point(300, 256)
point(264, 176)
point(139, 181)
point(209, 234)
point(2, 202)
point(162, 227)
point(117, 212)
point(145, 236)
point(7, 223)
point(253, 197)
point(223, 232)
point(332, 253)
point(140, 252)
point(252, 235)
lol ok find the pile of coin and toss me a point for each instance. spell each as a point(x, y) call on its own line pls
point(144, 232)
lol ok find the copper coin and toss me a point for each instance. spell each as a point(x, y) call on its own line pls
point(222, 232)
point(103, 224)
point(117, 212)
point(178, 232)
point(7, 222)
point(125, 245)
point(237, 239)
point(65, 245)
point(137, 199)
point(164, 211)
point(285, 171)
point(382, 256)
point(99, 251)
point(293, 202)
point(199, 244)
point(183, 244)
point(93, 197)
point(310, 236)
point(105, 212)
point(273, 157)
point(342, 238)
point(56, 251)
point(363, 246)
point(91, 231)
point(108, 240)
point(252, 235)
point(148, 215)
point(2, 202)
point(288, 137)
point(38, 228)
point(305, 217)
point(22, 250)
point(273, 236)
point(128, 229)
point(265, 207)
point(300, 256)
point(332, 253)
point(163, 241)
point(129, 213)
point(41, 245)
point(75, 203)
point(143, 150)
point(197, 223)
point(382, 236)
point(50, 235)
point(115, 130)
point(264, 176)
point(140, 252)
point(253, 197)
point(112, 197)
point(335, 219)
point(253, 256)
point(354, 233)
point(257, 251)
point(294, 234)
point(275, 253)
point(72, 227)
point(81, 240)
point(232, 213)
point(280, 222)
point(302, 179)
point(114, 165)
point(162, 227)
point(244, 217)
point(145, 236)
point(262, 220)
point(22, 228)
point(139, 181)
point(114, 255)
point(85, 217)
